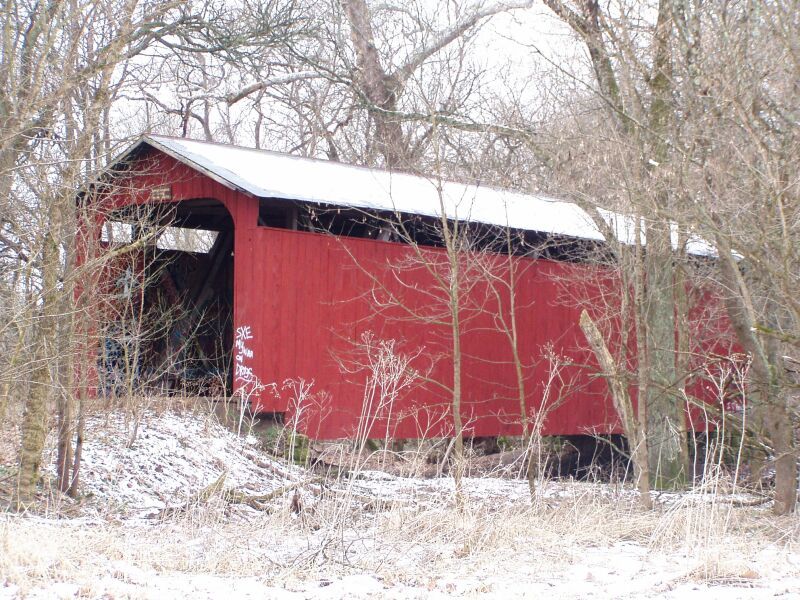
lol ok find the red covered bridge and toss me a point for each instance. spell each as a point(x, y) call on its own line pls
point(318, 279)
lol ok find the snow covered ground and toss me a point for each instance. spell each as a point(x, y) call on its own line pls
point(374, 535)
point(167, 458)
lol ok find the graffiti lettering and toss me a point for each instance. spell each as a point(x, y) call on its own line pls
point(242, 353)
point(244, 333)
point(244, 373)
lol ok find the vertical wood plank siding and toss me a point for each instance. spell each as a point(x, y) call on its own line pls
point(307, 299)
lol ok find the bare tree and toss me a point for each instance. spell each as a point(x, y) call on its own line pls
point(634, 89)
point(59, 64)
point(372, 100)
point(700, 144)
point(740, 145)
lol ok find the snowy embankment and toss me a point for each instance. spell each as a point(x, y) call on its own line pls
point(169, 458)
point(371, 535)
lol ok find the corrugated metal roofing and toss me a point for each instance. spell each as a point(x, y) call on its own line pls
point(268, 174)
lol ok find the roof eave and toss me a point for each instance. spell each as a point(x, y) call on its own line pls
point(194, 165)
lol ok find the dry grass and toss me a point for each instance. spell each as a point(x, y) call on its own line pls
point(572, 538)
point(702, 539)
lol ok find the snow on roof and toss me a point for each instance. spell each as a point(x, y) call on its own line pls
point(266, 174)
point(273, 175)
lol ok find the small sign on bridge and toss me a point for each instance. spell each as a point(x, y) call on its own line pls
point(161, 193)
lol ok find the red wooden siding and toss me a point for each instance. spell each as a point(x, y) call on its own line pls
point(307, 300)
point(310, 301)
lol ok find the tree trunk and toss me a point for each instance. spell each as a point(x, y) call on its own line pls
point(379, 88)
point(664, 414)
point(682, 362)
point(34, 421)
point(641, 460)
point(64, 405)
point(632, 427)
point(75, 480)
point(458, 448)
point(64, 452)
point(770, 400)
point(783, 445)
point(13, 363)
point(527, 432)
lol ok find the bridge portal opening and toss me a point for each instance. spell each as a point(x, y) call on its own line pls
point(168, 326)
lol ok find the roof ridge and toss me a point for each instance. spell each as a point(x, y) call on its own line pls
point(545, 198)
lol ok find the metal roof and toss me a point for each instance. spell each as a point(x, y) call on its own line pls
point(266, 174)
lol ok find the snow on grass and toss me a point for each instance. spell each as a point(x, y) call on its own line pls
point(398, 556)
point(169, 458)
point(375, 535)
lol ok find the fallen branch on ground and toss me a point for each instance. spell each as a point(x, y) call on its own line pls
point(234, 495)
point(201, 497)
point(259, 501)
